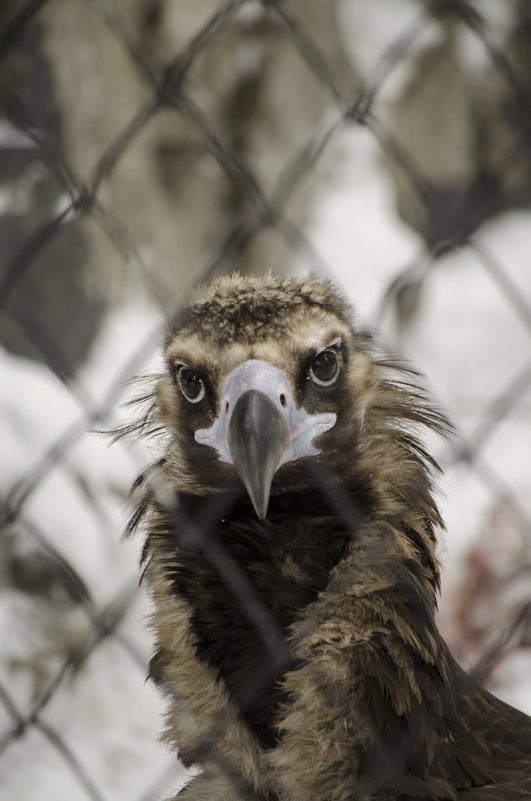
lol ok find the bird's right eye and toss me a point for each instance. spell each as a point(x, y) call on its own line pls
point(192, 386)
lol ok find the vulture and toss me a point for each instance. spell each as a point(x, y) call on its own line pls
point(290, 554)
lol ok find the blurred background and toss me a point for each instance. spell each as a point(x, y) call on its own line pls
point(147, 145)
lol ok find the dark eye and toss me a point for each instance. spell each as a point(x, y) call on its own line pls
point(324, 368)
point(192, 386)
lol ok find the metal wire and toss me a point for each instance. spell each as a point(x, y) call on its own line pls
point(171, 91)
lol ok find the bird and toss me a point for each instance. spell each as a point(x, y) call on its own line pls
point(290, 530)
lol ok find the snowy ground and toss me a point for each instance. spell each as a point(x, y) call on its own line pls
point(464, 335)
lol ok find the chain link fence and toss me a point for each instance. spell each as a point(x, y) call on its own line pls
point(146, 146)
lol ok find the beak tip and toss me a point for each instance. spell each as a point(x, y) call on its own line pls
point(260, 504)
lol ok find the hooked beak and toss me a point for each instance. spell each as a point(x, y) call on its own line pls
point(258, 437)
point(259, 428)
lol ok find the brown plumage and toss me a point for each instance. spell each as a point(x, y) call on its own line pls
point(318, 674)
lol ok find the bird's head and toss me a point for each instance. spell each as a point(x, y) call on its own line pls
point(266, 377)
point(257, 377)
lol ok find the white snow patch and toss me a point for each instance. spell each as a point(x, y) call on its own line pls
point(370, 32)
point(355, 226)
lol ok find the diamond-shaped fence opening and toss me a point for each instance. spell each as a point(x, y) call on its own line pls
point(147, 145)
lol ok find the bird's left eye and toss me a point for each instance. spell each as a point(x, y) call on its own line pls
point(325, 367)
point(191, 385)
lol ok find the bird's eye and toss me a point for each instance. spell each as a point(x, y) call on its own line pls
point(192, 386)
point(324, 368)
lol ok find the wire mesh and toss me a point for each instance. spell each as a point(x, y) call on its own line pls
point(148, 146)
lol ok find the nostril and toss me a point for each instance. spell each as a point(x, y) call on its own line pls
point(226, 407)
point(282, 399)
